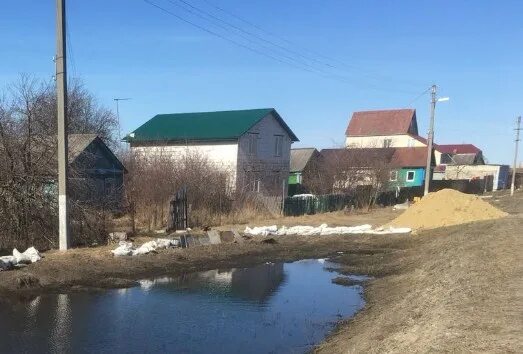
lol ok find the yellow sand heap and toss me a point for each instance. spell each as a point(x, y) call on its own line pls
point(445, 208)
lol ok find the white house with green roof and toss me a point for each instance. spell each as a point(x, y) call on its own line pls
point(252, 145)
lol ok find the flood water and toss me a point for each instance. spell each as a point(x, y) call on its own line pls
point(270, 308)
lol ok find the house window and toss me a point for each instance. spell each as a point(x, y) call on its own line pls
point(253, 143)
point(387, 143)
point(393, 176)
point(410, 176)
point(278, 145)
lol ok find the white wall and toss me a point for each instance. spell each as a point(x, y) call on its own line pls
point(473, 171)
point(437, 156)
point(222, 154)
point(271, 170)
point(377, 141)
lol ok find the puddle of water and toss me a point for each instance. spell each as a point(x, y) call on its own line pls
point(270, 308)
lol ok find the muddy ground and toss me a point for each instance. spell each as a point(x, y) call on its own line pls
point(456, 289)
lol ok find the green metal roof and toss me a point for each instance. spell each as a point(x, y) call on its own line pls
point(222, 125)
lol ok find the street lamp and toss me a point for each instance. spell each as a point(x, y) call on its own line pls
point(430, 138)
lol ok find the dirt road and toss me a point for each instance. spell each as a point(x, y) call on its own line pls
point(455, 289)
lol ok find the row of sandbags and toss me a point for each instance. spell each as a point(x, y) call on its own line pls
point(126, 248)
point(323, 230)
point(31, 255)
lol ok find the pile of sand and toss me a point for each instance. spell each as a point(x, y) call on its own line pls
point(445, 208)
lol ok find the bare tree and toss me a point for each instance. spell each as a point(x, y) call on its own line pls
point(28, 157)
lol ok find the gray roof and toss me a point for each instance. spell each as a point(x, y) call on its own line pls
point(462, 159)
point(78, 143)
point(300, 158)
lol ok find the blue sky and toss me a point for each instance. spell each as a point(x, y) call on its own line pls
point(386, 53)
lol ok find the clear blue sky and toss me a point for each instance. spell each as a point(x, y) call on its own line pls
point(388, 52)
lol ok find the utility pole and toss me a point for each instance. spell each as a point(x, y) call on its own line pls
point(61, 99)
point(515, 165)
point(430, 139)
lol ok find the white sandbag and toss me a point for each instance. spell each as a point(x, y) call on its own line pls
point(391, 230)
point(324, 230)
point(127, 249)
point(124, 249)
point(166, 243)
point(21, 258)
point(262, 231)
point(7, 262)
point(145, 248)
point(33, 254)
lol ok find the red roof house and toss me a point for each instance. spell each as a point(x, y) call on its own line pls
point(383, 122)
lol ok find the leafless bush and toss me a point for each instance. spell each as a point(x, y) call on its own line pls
point(363, 173)
point(28, 193)
point(154, 178)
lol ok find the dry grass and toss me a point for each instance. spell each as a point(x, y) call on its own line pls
point(455, 289)
point(376, 217)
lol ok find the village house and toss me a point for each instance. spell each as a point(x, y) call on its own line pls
point(394, 168)
point(96, 174)
point(305, 166)
point(458, 154)
point(252, 146)
point(383, 129)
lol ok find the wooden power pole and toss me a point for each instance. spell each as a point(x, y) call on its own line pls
point(61, 99)
point(515, 165)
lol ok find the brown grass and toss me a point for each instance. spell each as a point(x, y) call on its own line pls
point(455, 289)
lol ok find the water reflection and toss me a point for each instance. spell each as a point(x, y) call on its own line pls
point(267, 308)
point(255, 284)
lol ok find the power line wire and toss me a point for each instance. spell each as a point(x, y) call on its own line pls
point(353, 67)
point(219, 35)
point(253, 34)
point(419, 96)
point(199, 14)
point(255, 50)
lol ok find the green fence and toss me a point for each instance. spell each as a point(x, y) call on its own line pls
point(308, 205)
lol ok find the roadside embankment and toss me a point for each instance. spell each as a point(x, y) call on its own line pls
point(453, 289)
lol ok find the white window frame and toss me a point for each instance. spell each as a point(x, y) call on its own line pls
point(413, 176)
point(395, 178)
point(278, 145)
point(252, 147)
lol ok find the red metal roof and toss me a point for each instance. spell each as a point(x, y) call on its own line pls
point(392, 157)
point(384, 122)
point(457, 149)
point(409, 157)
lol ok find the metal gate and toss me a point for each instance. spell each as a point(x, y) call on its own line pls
point(178, 213)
